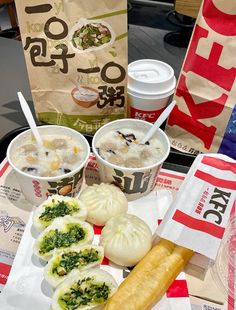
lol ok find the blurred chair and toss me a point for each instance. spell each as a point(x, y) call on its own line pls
point(188, 7)
point(13, 31)
point(184, 16)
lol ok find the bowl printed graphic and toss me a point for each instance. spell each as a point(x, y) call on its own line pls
point(90, 35)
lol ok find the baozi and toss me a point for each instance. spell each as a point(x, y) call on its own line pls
point(84, 290)
point(103, 201)
point(58, 206)
point(62, 233)
point(65, 262)
point(126, 239)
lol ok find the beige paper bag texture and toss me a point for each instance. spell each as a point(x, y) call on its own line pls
point(76, 56)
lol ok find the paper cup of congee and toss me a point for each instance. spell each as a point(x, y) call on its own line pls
point(124, 161)
point(54, 168)
point(151, 85)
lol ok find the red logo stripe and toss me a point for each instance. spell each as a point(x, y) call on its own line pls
point(215, 181)
point(97, 229)
point(4, 168)
point(196, 224)
point(231, 286)
point(105, 261)
point(4, 272)
point(230, 303)
point(178, 288)
point(231, 268)
point(165, 174)
point(219, 164)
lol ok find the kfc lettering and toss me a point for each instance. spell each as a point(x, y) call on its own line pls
point(219, 200)
point(208, 68)
point(149, 116)
point(217, 20)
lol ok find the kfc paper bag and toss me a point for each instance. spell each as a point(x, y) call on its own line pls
point(204, 119)
point(198, 216)
point(76, 56)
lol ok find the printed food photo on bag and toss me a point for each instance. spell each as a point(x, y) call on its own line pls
point(204, 119)
point(76, 57)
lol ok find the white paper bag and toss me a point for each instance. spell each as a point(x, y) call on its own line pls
point(198, 217)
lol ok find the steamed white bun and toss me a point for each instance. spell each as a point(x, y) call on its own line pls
point(58, 206)
point(102, 202)
point(126, 239)
point(62, 233)
point(84, 282)
point(65, 262)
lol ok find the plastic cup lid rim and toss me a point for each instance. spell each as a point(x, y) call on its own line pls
point(167, 91)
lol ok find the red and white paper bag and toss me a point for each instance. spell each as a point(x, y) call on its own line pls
point(203, 121)
point(198, 217)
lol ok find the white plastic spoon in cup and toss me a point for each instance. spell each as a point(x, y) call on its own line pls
point(158, 122)
point(29, 118)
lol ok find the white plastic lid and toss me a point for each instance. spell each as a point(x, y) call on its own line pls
point(150, 77)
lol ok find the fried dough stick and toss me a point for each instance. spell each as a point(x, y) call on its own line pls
point(150, 279)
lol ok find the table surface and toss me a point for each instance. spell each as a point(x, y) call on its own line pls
point(13, 78)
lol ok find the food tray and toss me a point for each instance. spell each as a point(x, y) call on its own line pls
point(176, 164)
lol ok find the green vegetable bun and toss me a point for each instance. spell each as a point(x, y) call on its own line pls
point(62, 233)
point(65, 262)
point(58, 206)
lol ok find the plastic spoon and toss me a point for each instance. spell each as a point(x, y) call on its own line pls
point(158, 122)
point(29, 118)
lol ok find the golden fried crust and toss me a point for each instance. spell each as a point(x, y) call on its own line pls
point(153, 258)
point(150, 279)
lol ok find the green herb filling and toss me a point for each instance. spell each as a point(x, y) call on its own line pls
point(57, 239)
point(71, 260)
point(58, 208)
point(84, 292)
point(91, 35)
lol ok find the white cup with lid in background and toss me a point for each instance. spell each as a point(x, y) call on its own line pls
point(151, 85)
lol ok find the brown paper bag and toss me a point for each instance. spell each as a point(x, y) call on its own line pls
point(76, 56)
point(204, 119)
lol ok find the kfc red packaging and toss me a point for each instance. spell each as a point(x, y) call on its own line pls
point(198, 217)
point(204, 119)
